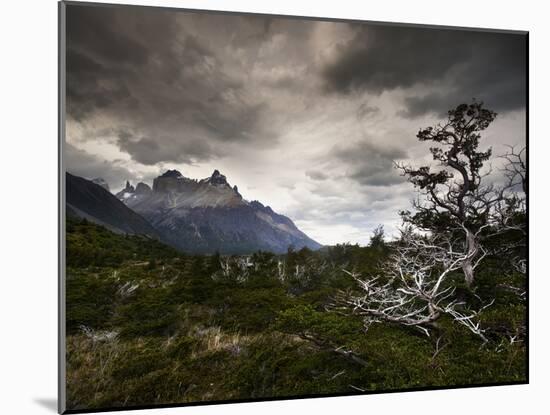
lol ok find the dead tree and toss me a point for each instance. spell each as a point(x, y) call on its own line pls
point(414, 289)
point(515, 168)
point(512, 209)
point(458, 210)
point(453, 195)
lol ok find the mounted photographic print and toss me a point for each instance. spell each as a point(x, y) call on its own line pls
point(258, 207)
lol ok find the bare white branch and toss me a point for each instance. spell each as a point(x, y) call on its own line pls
point(414, 290)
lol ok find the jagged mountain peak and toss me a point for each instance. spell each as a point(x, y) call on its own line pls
point(171, 181)
point(143, 188)
point(260, 206)
point(129, 188)
point(256, 203)
point(209, 215)
point(127, 192)
point(216, 179)
point(171, 173)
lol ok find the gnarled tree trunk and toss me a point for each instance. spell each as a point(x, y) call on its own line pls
point(472, 249)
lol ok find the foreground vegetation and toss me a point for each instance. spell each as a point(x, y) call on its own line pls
point(148, 325)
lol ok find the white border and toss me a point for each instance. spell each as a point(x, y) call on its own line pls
point(29, 203)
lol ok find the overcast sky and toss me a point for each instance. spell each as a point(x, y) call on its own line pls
point(304, 116)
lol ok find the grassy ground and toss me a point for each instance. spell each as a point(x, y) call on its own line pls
point(147, 325)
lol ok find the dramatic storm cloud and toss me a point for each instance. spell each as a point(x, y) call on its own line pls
point(438, 67)
point(307, 117)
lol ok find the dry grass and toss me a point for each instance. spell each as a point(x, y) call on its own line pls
point(213, 339)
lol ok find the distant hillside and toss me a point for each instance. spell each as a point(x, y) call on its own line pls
point(92, 244)
point(85, 199)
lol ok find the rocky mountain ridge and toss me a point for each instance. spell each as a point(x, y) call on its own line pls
point(209, 215)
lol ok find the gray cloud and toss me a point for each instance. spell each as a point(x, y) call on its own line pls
point(316, 175)
point(460, 65)
point(83, 164)
point(149, 150)
point(144, 68)
point(364, 110)
point(370, 164)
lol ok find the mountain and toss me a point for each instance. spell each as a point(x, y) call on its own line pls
point(131, 191)
point(86, 199)
point(208, 215)
point(102, 183)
